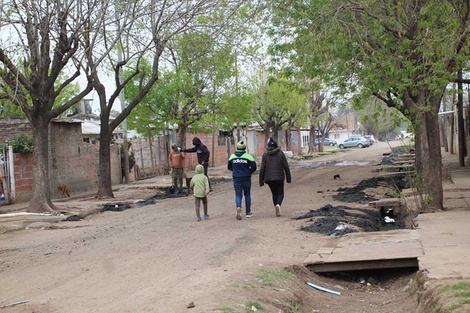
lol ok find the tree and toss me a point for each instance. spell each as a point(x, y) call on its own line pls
point(320, 119)
point(379, 120)
point(39, 44)
point(278, 102)
point(403, 52)
point(140, 30)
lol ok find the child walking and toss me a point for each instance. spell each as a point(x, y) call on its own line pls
point(200, 186)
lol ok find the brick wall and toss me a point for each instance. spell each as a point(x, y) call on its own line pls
point(219, 154)
point(23, 164)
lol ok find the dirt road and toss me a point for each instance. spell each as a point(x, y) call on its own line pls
point(157, 258)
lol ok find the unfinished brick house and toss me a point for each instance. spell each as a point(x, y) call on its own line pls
point(71, 160)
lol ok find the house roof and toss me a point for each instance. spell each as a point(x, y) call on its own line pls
point(91, 124)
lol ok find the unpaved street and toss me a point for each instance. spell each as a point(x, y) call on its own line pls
point(157, 258)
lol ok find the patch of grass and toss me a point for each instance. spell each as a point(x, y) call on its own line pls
point(463, 294)
point(459, 292)
point(458, 305)
point(252, 304)
point(464, 285)
point(227, 310)
point(273, 278)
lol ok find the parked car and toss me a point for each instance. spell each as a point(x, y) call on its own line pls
point(356, 141)
point(368, 137)
point(326, 141)
point(371, 139)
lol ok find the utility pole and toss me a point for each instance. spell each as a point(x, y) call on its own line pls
point(460, 121)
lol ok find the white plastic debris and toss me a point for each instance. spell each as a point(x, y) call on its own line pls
point(323, 289)
point(13, 304)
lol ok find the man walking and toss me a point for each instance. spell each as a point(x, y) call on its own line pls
point(242, 166)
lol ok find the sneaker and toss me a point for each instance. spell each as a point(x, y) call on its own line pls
point(278, 210)
point(239, 212)
point(248, 215)
point(206, 216)
point(198, 219)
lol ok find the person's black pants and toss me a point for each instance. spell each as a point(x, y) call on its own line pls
point(277, 190)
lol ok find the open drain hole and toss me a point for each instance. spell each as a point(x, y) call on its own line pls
point(379, 279)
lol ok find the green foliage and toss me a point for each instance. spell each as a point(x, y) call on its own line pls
point(252, 304)
point(275, 278)
point(279, 102)
point(22, 144)
point(390, 49)
point(8, 109)
point(149, 117)
point(378, 119)
point(457, 297)
point(236, 108)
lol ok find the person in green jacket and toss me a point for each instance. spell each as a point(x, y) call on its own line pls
point(242, 166)
point(200, 186)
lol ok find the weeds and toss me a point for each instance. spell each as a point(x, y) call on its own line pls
point(251, 304)
point(275, 278)
point(459, 294)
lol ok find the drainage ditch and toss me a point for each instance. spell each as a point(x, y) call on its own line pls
point(383, 286)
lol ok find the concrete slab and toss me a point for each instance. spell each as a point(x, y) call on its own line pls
point(388, 249)
point(445, 237)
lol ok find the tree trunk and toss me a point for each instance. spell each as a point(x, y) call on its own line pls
point(105, 188)
point(182, 136)
point(434, 161)
point(428, 160)
point(311, 140)
point(41, 196)
point(267, 134)
point(288, 139)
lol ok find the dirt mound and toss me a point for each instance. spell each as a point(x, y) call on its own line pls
point(340, 220)
point(336, 221)
point(364, 191)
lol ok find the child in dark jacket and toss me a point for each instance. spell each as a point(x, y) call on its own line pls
point(242, 166)
point(274, 170)
point(200, 186)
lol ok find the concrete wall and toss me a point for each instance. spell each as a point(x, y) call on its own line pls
point(14, 127)
point(74, 162)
